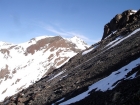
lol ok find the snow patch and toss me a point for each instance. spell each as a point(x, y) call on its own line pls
point(134, 11)
point(80, 44)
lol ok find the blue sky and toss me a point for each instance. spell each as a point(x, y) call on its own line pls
point(21, 20)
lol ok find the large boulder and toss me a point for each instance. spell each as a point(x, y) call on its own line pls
point(125, 18)
point(106, 30)
point(112, 25)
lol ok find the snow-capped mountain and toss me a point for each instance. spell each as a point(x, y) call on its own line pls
point(23, 64)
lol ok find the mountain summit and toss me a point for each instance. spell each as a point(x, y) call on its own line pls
point(23, 64)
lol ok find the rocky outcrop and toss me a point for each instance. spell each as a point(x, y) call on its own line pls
point(121, 21)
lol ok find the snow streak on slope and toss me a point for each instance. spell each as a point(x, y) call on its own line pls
point(120, 39)
point(89, 50)
point(19, 68)
point(106, 83)
point(56, 75)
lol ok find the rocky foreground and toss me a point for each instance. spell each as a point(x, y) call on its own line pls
point(107, 73)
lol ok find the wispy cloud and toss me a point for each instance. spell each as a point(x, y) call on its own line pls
point(51, 29)
point(63, 33)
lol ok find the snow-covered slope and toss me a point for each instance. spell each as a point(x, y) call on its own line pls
point(25, 63)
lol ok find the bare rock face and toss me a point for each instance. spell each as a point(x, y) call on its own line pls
point(120, 21)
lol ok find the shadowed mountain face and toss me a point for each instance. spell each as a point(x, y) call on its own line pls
point(107, 73)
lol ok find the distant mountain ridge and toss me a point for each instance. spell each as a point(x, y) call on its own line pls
point(25, 63)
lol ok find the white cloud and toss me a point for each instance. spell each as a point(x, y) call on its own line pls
point(51, 29)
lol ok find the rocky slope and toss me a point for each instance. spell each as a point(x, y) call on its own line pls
point(107, 73)
point(23, 64)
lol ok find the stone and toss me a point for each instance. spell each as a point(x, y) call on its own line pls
point(20, 103)
point(11, 104)
point(118, 17)
point(106, 30)
point(21, 100)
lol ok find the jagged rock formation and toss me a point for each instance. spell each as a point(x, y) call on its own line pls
point(107, 73)
point(120, 21)
point(23, 64)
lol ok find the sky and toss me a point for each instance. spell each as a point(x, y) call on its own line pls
point(22, 20)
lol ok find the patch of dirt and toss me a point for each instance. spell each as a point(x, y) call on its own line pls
point(4, 72)
point(4, 91)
